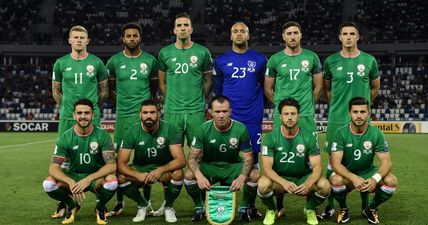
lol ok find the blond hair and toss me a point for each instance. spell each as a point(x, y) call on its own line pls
point(78, 28)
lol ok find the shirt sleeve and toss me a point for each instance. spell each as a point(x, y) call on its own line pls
point(60, 148)
point(128, 140)
point(102, 73)
point(107, 144)
point(161, 62)
point(338, 144)
point(208, 62)
point(381, 144)
point(313, 147)
point(327, 73)
point(267, 146)
point(155, 66)
point(317, 68)
point(374, 70)
point(244, 142)
point(271, 68)
point(111, 68)
point(57, 73)
point(197, 140)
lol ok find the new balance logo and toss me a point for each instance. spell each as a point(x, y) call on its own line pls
point(75, 147)
point(212, 141)
point(339, 68)
point(123, 66)
point(68, 69)
point(230, 64)
point(141, 143)
point(349, 145)
point(279, 148)
point(174, 59)
point(283, 65)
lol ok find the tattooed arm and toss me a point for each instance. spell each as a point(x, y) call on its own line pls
point(195, 156)
point(56, 92)
point(247, 166)
point(103, 92)
point(55, 171)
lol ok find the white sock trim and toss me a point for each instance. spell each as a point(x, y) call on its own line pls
point(49, 185)
point(177, 182)
point(339, 188)
point(125, 184)
point(388, 189)
point(252, 184)
point(267, 195)
point(111, 185)
point(189, 182)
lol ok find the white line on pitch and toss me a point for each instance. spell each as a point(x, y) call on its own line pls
point(25, 144)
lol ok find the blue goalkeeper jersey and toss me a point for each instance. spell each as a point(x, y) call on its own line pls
point(239, 76)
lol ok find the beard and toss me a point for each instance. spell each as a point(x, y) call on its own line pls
point(149, 123)
point(132, 48)
point(81, 122)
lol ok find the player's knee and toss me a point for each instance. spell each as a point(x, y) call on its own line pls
point(49, 185)
point(189, 175)
point(324, 186)
point(254, 176)
point(390, 180)
point(121, 178)
point(110, 184)
point(336, 180)
point(264, 185)
point(177, 175)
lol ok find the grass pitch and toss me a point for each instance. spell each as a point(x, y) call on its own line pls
point(25, 158)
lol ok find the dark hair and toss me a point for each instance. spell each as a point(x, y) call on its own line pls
point(131, 25)
point(348, 24)
point(358, 101)
point(289, 102)
point(183, 14)
point(291, 24)
point(149, 102)
point(84, 101)
point(220, 99)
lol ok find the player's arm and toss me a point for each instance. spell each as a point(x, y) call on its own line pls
point(374, 88)
point(153, 86)
point(267, 163)
point(178, 162)
point(317, 81)
point(269, 86)
point(103, 91)
point(195, 156)
point(56, 172)
point(315, 162)
point(162, 82)
point(122, 164)
point(327, 90)
point(340, 169)
point(208, 82)
point(112, 88)
point(384, 169)
point(57, 92)
point(247, 166)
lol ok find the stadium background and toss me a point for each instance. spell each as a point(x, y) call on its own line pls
point(34, 33)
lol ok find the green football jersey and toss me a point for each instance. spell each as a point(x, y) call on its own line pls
point(222, 146)
point(85, 153)
point(359, 149)
point(184, 70)
point(349, 77)
point(79, 79)
point(293, 78)
point(132, 75)
point(290, 156)
point(151, 148)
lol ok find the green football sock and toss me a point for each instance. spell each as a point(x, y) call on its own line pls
point(61, 194)
point(119, 194)
point(314, 200)
point(104, 196)
point(330, 200)
point(172, 192)
point(364, 199)
point(380, 197)
point(267, 200)
point(340, 197)
point(132, 191)
point(280, 202)
point(147, 189)
point(195, 193)
point(252, 193)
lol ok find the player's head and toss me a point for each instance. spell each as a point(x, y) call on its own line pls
point(78, 38)
point(289, 112)
point(221, 111)
point(131, 36)
point(292, 34)
point(239, 34)
point(149, 113)
point(183, 26)
point(349, 34)
point(359, 111)
point(83, 112)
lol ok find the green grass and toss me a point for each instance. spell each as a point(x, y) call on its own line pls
point(25, 158)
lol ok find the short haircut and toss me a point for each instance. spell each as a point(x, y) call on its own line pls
point(348, 24)
point(183, 15)
point(240, 22)
point(358, 101)
point(84, 101)
point(291, 24)
point(131, 25)
point(78, 28)
point(220, 99)
point(289, 102)
point(149, 102)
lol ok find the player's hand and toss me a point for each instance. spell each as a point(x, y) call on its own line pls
point(370, 185)
point(289, 187)
point(358, 183)
point(153, 176)
point(238, 183)
point(80, 186)
point(141, 177)
point(203, 183)
point(301, 190)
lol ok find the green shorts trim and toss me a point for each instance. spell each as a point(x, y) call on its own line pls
point(186, 123)
point(221, 171)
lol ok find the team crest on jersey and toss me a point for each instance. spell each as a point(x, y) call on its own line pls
point(143, 67)
point(160, 141)
point(251, 66)
point(361, 69)
point(367, 147)
point(300, 148)
point(233, 143)
point(305, 65)
point(93, 147)
point(90, 70)
point(193, 60)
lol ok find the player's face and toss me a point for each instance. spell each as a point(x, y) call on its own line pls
point(292, 37)
point(221, 114)
point(183, 28)
point(83, 115)
point(239, 34)
point(78, 40)
point(359, 115)
point(349, 37)
point(131, 39)
point(149, 115)
point(289, 116)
